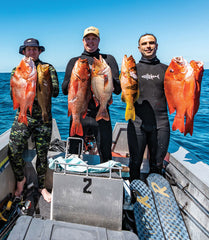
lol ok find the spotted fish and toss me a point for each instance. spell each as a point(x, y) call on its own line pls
point(44, 90)
point(130, 86)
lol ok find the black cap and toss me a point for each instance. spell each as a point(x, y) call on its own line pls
point(31, 42)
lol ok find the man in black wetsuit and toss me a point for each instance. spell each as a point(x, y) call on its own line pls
point(151, 126)
point(102, 130)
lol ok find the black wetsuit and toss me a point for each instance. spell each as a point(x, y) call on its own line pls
point(102, 130)
point(151, 126)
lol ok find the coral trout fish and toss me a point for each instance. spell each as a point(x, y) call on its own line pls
point(23, 85)
point(130, 86)
point(79, 94)
point(102, 87)
point(44, 90)
point(182, 90)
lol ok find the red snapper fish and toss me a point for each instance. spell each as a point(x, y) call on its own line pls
point(102, 86)
point(182, 94)
point(198, 73)
point(79, 94)
point(130, 86)
point(23, 85)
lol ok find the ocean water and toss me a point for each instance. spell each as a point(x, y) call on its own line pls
point(197, 144)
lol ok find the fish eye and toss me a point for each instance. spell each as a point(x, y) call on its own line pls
point(171, 70)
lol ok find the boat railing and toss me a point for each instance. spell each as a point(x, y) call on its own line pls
point(109, 170)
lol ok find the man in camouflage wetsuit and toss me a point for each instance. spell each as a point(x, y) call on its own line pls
point(40, 130)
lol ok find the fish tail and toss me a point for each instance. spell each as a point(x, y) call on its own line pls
point(190, 109)
point(178, 123)
point(45, 117)
point(69, 112)
point(171, 109)
point(30, 109)
point(76, 129)
point(102, 114)
point(189, 126)
point(130, 112)
point(23, 119)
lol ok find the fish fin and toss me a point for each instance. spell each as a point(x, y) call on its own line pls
point(130, 112)
point(84, 115)
point(75, 87)
point(110, 101)
point(171, 108)
point(190, 110)
point(137, 95)
point(102, 114)
point(178, 123)
point(96, 101)
point(120, 76)
point(30, 109)
point(15, 103)
point(69, 112)
point(23, 119)
point(189, 126)
point(105, 80)
point(76, 129)
point(122, 97)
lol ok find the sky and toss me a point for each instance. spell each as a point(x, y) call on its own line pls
point(181, 27)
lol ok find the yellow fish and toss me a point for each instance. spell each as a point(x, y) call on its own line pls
point(130, 86)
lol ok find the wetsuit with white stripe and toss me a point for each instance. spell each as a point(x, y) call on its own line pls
point(151, 126)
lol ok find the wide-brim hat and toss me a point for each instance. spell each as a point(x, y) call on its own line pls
point(31, 42)
point(91, 30)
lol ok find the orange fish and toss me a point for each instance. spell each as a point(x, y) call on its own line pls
point(198, 73)
point(180, 87)
point(102, 86)
point(79, 94)
point(130, 86)
point(23, 85)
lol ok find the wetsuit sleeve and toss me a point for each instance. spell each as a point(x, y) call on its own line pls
point(68, 72)
point(55, 82)
point(115, 75)
point(164, 66)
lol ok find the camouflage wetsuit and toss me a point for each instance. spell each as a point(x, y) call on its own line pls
point(41, 132)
